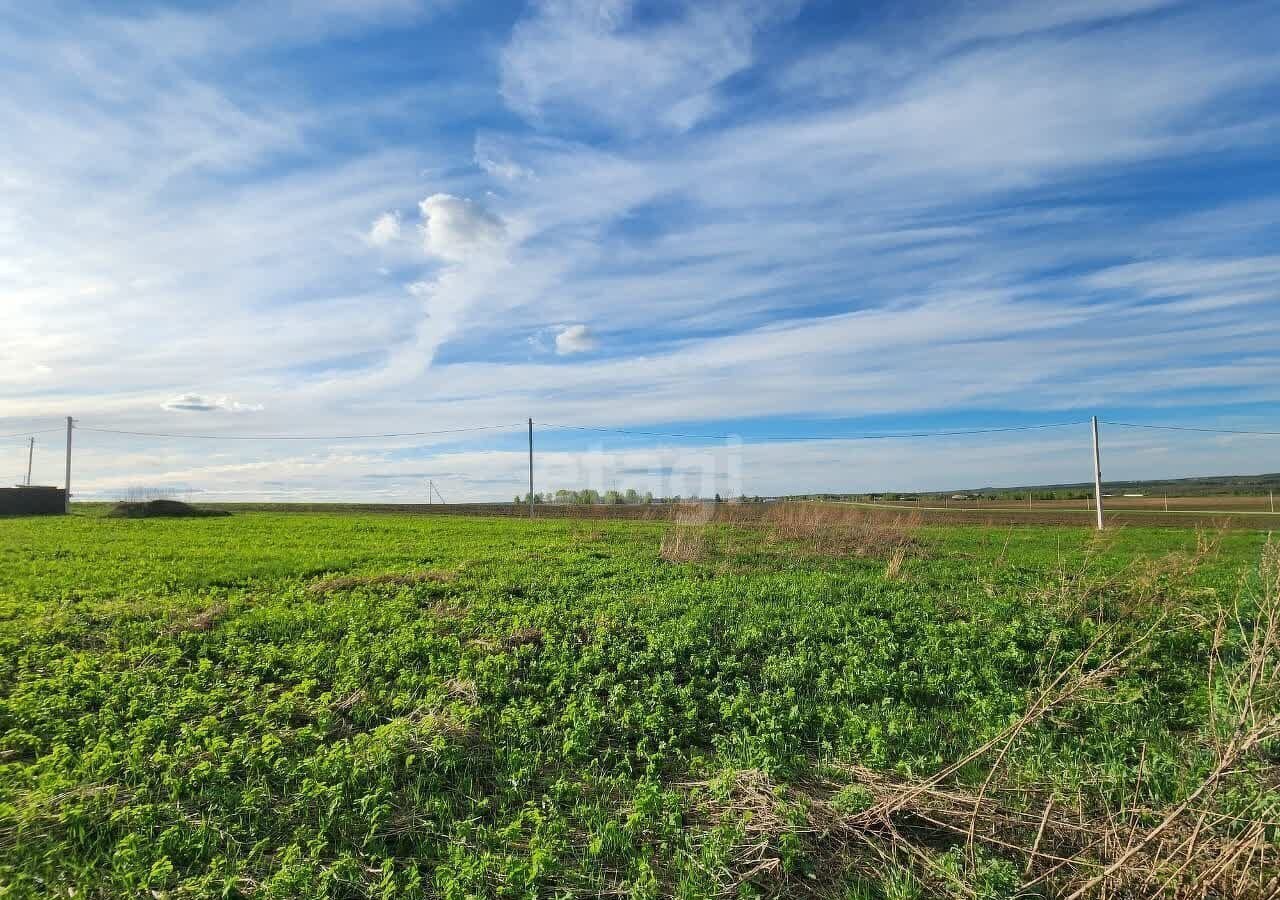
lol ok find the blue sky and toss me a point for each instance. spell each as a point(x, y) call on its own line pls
point(770, 219)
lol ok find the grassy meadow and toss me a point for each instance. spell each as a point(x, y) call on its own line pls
point(316, 705)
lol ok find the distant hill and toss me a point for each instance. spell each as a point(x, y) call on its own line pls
point(1184, 487)
point(1206, 486)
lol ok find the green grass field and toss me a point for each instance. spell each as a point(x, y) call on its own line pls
point(313, 705)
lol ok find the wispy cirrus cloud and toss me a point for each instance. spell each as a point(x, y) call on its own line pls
point(577, 59)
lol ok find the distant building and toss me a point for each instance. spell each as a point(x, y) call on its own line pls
point(30, 500)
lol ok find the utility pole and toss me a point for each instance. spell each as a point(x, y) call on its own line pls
point(31, 452)
point(531, 468)
point(431, 488)
point(1097, 473)
point(67, 496)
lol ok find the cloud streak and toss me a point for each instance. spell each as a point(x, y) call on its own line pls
point(202, 404)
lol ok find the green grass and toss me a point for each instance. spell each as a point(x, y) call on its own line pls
point(555, 710)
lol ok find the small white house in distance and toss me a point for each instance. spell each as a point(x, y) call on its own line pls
point(1135, 495)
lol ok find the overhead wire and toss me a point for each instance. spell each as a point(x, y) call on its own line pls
point(23, 434)
point(295, 437)
point(1189, 428)
point(860, 436)
point(830, 437)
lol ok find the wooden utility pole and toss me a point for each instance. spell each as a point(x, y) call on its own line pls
point(31, 452)
point(1097, 473)
point(67, 496)
point(530, 468)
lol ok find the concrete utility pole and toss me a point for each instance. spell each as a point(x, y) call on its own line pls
point(530, 468)
point(1097, 473)
point(31, 452)
point(67, 497)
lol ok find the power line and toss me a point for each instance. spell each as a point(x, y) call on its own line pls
point(23, 434)
point(1190, 428)
point(829, 437)
point(295, 437)
point(865, 436)
point(708, 437)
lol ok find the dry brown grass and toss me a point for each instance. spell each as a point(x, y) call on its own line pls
point(833, 529)
point(819, 529)
point(524, 637)
point(893, 568)
point(349, 701)
point(201, 621)
point(587, 531)
point(687, 539)
point(387, 579)
point(461, 689)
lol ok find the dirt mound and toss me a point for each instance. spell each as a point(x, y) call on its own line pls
point(163, 509)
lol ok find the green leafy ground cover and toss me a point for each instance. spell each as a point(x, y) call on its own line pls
point(379, 706)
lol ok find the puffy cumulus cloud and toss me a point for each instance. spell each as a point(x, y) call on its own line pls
point(384, 230)
point(201, 403)
point(456, 229)
point(575, 339)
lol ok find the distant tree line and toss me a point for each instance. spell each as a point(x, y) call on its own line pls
point(590, 497)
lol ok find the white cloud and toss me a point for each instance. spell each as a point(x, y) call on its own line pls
point(385, 229)
point(201, 403)
point(456, 229)
point(492, 156)
point(575, 339)
point(592, 59)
